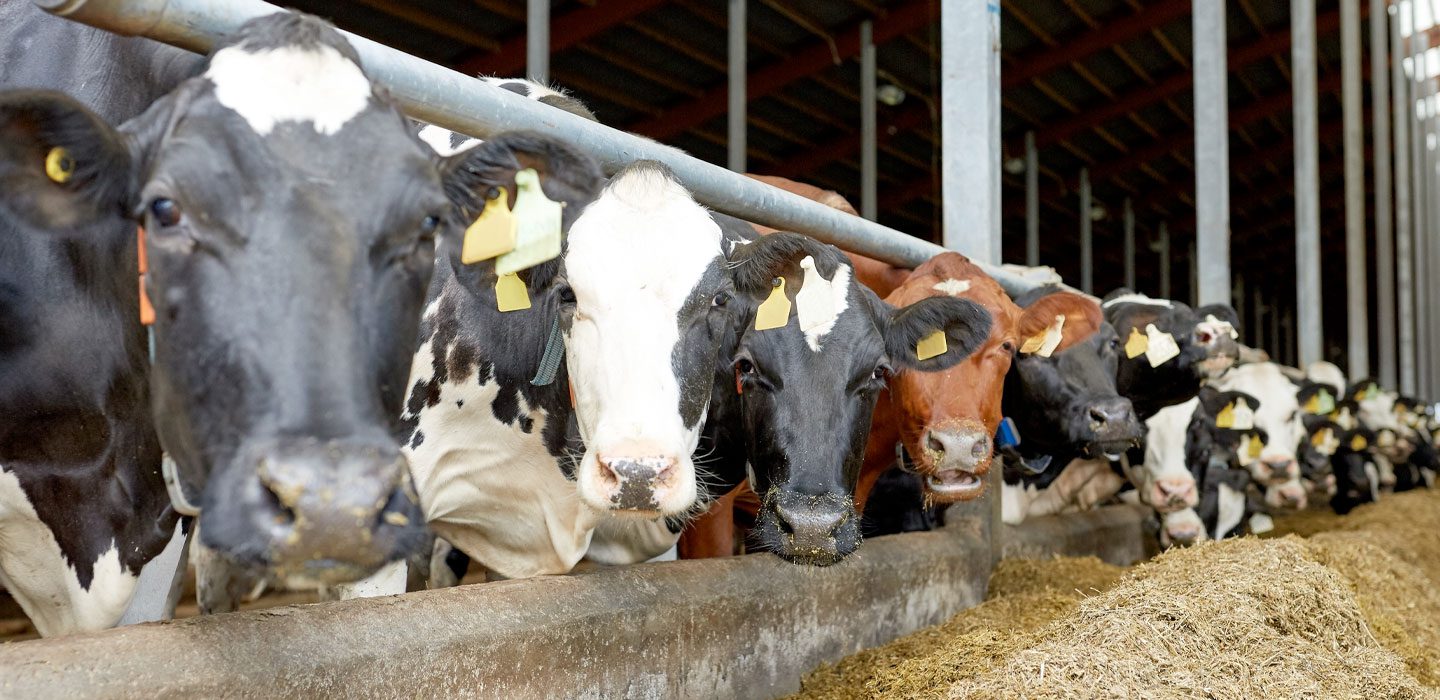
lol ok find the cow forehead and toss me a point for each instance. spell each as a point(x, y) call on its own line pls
point(636, 244)
point(311, 84)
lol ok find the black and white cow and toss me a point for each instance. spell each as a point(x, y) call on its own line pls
point(1281, 417)
point(1357, 479)
point(1066, 410)
point(290, 215)
point(1154, 377)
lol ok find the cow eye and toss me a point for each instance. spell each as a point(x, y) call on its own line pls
point(720, 299)
point(745, 366)
point(567, 294)
point(429, 224)
point(1008, 346)
point(166, 212)
point(880, 373)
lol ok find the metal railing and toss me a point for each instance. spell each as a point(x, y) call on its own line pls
point(464, 104)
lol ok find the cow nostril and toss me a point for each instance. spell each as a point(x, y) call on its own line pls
point(1098, 415)
point(933, 443)
point(784, 522)
point(981, 448)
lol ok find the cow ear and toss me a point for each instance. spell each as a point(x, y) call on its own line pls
point(62, 167)
point(910, 332)
point(1082, 318)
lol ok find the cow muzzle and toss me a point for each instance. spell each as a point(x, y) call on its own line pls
point(644, 481)
point(819, 530)
point(1182, 528)
point(1290, 495)
point(1171, 494)
point(322, 513)
point(955, 460)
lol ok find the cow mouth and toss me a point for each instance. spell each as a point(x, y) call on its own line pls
point(1110, 449)
point(954, 484)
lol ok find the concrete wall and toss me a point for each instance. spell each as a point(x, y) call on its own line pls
point(741, 627)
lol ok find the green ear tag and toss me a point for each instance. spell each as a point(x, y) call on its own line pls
point(537, 220)
point(492, 233)
point(774, 312)
point(932, 345)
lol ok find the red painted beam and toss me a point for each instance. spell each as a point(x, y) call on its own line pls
point(1176, 84)
point(1111, 32)
point(565, 31)
point(842, 146)
point(813, 58)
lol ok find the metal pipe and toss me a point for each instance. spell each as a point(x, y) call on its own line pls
point(537, 41)
point(736, 119)
point(1129, 225)
point(869, 207)
point(1032, 201)
point(1307, 182)
point(970, 127)
point(1420, 207)
point(1384, 205)
point(1404, 111)
point(1164, 236)
point(1357, 314)
point(1212, 155)
point(464, 104)
point(1087, 243)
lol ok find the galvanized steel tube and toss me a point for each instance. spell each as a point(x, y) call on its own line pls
point(1087, 241)
point(537, 41)
point(1403, 114)
point(1212, 155)
point(459, 102)
point(1307, 182)
point(1384, 205)
point(970, 126)
point(736, 119)
point(1357, 312)
point(869, 172)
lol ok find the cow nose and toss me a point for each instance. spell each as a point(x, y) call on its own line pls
point(635, 483)
point(1110, 413)
point(958, 449)
point(817, 530)
point(1174, 492)
point(1280, 468)
point(335, 505)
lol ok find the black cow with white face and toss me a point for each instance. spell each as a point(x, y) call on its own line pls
point(1153, 378)
point(290, 216)
point(800, 397)
point(1210, 437)
point(1357, 480)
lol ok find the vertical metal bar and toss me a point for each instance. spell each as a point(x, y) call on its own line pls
point(1164, 236)
point(1087, 253)
point(868, 203)
point(1032, 201)
point(537, 41)
point(1357, 313)
point(1212, 155)
point(1129, 225)
point(970, 126)
point(1420, 205)
point(1384, 206)
point(737, 120)
point(1404, 112)
point(1307, 182)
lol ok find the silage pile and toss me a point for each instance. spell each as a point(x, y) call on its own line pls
point(1350, 612)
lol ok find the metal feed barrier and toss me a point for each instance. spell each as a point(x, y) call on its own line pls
point(461, 103)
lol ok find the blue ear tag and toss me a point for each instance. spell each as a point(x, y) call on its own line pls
point(1008, 435)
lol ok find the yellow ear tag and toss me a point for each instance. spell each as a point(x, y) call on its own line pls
point(492, 233)
point(775, 311)
point(1313, 405)
point(537, 226)
point(1358, 443)
point(1226, 417)
point(1324, 441)
point(1136, 345)
point(58, 165)
point(510, 293)
point(932, 345)
point(1256, 447)
point(1162, 346)
point(1044, 343)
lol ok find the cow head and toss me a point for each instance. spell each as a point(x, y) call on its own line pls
point(1066, 405)
point(1281, 417)
point(1203, 340)
point(1316, 454)
point(807, 388)
point(644, 308)
point(290, 217)
point(947, 417)
point(1357, 480)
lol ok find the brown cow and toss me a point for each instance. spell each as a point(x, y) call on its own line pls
point(944, 419)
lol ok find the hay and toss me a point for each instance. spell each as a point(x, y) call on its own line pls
point(1353, 612)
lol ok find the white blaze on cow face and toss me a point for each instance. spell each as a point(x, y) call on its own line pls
point(1279, 415)
point(314, 84)
point(37, 574)
point(820, 302)
point(952, 287)
point(641, 261)
point(1164, 481)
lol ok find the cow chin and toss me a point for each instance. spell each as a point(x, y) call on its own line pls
point(648, 486)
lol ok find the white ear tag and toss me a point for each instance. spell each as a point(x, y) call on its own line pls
point(1044, 343)
point(814, 304)
point(1244, 415)
point(1162, 346)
